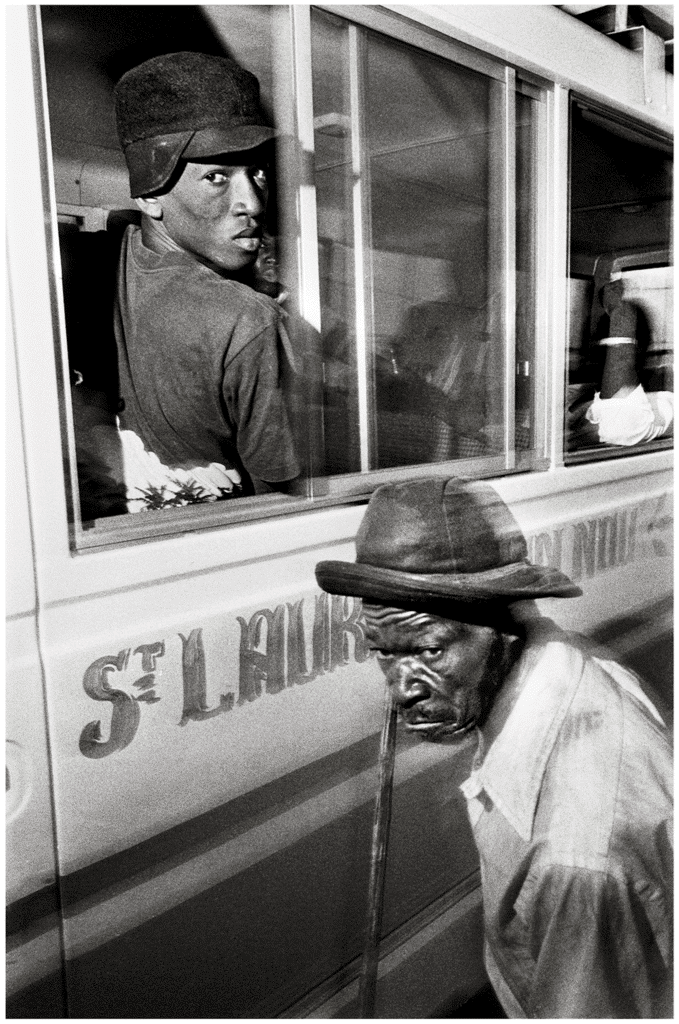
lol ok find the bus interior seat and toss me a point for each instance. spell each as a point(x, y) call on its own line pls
point(89, 261)
point(94, 209)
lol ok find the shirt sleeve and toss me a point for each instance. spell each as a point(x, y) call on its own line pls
point(636, 418)
point(254, 394)
point(600, 945)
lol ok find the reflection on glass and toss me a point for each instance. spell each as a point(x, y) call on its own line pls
point(415, 147)
point(430, 139)
point(526, 248)
point(333, 155)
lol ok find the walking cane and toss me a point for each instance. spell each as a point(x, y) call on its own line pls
point(378, 861)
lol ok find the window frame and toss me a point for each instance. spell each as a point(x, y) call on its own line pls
point(297, 206)
point(626, 126)
point(388, 23)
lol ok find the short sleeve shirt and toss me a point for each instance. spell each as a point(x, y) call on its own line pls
point(571, 808)
point(636, 418)
point(201, 365)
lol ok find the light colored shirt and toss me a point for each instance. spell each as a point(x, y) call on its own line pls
point(638, 417)
point(570, 805)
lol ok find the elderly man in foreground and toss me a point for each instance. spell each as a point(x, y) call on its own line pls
point(570, 794)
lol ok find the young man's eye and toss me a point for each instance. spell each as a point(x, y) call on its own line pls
point(217, 177)
point(259, 176)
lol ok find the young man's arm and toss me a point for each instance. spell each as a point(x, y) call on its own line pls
point(253, 390)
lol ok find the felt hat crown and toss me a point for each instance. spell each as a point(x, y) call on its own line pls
point(185, 105)
point(437, 539)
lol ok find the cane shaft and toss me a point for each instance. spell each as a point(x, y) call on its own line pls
point(378, 862)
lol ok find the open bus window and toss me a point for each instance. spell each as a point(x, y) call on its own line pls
point(619, 391)
point(157, 426)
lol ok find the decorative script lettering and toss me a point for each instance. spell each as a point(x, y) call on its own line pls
point(274, 654)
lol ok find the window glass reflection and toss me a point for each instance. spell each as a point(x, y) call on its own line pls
point(334, 197)
point(411, 184)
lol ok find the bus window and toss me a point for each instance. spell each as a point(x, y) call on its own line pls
point(620, 363)
point(87, 49)
point(425, 247)
point(427, 253)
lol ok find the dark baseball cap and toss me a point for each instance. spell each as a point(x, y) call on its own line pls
point(185, 105)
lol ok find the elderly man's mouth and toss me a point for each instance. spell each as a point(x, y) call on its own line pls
point(439, 729)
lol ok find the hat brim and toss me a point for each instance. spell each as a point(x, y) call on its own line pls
point(519, 581)
point(151, 162)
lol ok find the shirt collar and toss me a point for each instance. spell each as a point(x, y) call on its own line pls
point(525, 721)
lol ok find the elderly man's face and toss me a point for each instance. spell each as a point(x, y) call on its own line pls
point(443, 674)
point(216, 209)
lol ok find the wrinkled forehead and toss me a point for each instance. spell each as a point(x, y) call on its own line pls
point(385, 615)
point(383, 620)
point(455, 620)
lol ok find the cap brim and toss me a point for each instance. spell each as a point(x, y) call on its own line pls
point(213, 141)
point(519, 581)
point(151, 162)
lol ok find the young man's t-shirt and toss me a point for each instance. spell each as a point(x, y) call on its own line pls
point(200, 364)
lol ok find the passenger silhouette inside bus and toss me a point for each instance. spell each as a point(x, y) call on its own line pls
point(619, 385)
point(432, 386)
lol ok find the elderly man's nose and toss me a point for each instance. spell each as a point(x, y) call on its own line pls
point(406, 687)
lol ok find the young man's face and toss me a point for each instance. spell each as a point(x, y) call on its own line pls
point(443, 675)
point(216, 210)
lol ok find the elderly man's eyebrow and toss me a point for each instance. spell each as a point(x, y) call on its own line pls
point(385, 615)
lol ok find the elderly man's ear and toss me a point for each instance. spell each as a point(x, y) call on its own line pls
point(151, 206)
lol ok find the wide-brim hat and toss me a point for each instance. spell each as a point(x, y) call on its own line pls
point(441, 539)
point(184, 106)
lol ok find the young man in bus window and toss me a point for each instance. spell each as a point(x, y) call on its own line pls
point(202, 356)
point(570, 794)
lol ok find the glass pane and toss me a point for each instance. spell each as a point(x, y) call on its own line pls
point(412, 180)
point(620, 287)
point(334, 192)
point(431, 138)
point(527, 114)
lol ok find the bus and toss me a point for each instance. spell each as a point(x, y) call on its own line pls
point(192, 725)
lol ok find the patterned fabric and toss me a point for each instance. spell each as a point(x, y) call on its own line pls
point(114, 463)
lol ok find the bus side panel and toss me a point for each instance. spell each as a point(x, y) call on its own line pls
point(619, 551)
point(214, 761)
point(214, 778)
point(34, 978)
